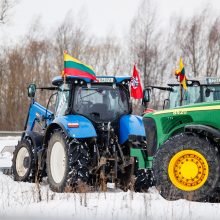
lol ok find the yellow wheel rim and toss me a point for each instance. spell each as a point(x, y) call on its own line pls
point(188, 170)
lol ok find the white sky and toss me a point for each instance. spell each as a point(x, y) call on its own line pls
point(104, 16)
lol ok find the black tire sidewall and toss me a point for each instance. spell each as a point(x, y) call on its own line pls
point(162, 159)
point(57, 187)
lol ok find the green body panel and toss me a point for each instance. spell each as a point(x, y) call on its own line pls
point(143, 162)
point(172, 121)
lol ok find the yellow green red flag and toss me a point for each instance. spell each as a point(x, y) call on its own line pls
point(74, 67)
point(181, 73)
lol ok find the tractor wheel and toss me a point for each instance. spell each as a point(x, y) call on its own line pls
point(134, 179)
point(67, 163)
point(23, 161)
point(186, 166)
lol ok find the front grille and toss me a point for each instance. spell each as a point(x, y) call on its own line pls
point(151, 135)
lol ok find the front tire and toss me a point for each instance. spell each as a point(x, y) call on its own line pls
point(186, 166)
point(23, 161)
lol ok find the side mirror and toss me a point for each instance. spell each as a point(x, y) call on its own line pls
point(31, 90)
point(146, 96)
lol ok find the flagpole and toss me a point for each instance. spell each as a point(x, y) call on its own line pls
point(64, 79)
point(180, 75)
point(181, 94)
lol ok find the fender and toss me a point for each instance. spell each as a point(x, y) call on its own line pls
point(85, 129)
point(35, 137)
point(199, 128)
point(131, 125)
point(37, 140)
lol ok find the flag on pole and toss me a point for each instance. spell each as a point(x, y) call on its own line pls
point(74, 67)
point(136, 88)
point(181, 74)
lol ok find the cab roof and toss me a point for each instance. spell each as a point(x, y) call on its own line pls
point(101, 79)
point(199, 81)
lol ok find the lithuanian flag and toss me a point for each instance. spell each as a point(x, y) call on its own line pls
point(74, 67)
point(181, 73)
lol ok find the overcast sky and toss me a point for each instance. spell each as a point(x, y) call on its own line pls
point(103, 16)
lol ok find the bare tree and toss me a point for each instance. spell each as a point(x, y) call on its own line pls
point(143, 40)
point(191, 40)
point(213, 49)
point(5, 7)
point(147, 46)
point(71, 36)
point(106, 56)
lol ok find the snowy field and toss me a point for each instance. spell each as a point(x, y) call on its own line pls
point(5, 157)
point(27, 201)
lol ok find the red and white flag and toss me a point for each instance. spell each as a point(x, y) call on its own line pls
point(136, 88)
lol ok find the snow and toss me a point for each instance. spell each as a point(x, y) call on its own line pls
point(5, 157)
point(28, 201)
point(8, 141)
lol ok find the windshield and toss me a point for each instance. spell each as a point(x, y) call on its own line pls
point(193, 95)
point(100, 103)
point(190, 96)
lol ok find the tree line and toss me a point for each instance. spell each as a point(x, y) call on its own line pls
point(156, 50)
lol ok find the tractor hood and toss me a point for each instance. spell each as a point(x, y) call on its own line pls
point(190, 108)
point(131, 125)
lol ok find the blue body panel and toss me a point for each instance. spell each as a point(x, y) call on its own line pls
point(130, 124)
point(119, 79)
point(36, 110)
point(85, 129)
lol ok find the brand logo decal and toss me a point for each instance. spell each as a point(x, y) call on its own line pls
point(134, 82)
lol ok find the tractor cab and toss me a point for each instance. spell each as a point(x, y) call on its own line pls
point(203, 90)
point(100, 101)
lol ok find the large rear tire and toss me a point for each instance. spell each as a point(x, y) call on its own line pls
point(67, 163)
point(186, 166)
point(23, 161)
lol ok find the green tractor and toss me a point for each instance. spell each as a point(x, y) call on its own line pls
point(183, 145)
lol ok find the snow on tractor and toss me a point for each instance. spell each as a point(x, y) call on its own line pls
point(183, 146)
point(86, 140)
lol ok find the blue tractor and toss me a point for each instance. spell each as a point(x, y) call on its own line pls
point(85, 140)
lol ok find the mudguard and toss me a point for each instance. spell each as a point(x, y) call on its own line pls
point(36, 138)
point(131, 125)
point(85, 129)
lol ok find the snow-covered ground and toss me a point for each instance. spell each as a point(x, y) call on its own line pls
point(26, 201)
point(5, 157)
